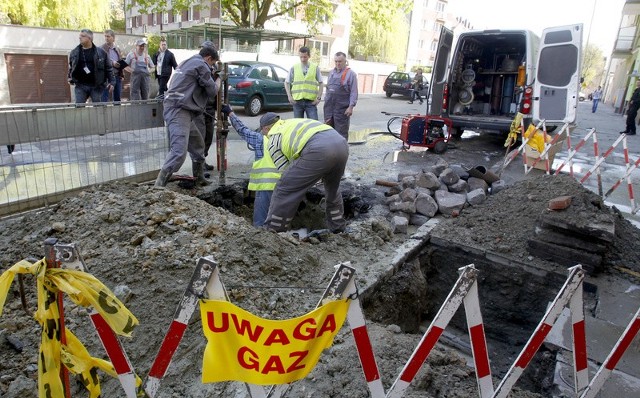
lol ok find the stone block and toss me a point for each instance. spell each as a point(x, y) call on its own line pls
point(426, 205)
point(476, 197)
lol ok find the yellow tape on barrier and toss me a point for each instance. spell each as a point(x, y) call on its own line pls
point(244, 347)
point(85, 290)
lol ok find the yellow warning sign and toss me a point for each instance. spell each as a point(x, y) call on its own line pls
point(244, 347)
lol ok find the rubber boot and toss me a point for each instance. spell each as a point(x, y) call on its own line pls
point(198, 173)
point(163, 179)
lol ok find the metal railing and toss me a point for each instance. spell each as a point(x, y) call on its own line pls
point(52, 151)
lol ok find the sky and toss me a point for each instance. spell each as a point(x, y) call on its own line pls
point(535, 15)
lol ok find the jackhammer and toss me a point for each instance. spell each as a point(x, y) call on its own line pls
point(222, 122)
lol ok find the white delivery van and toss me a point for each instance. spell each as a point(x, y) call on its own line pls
point(492, 74)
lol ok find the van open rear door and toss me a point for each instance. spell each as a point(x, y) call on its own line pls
point(439, 73)
point(558, 72)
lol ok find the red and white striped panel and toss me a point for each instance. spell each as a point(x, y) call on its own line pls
point(600, 159)
point(573, 283)
point(478, 342)
point(116, 354)
point(614, 357)
point(572, 152)
point(196, 288)
point(449, 307)
point(580, 361)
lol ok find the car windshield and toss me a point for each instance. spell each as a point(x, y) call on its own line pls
point(237, 70)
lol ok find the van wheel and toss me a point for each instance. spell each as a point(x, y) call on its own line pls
point(388, 94)
point(254, 106)
point(440, 147)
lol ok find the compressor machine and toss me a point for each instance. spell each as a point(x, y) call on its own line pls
point(432, 132)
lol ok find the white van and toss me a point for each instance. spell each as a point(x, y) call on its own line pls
point(495, 73)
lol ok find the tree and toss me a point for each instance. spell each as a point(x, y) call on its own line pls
point(67, 14)
point(593, 62)
point(383, 42)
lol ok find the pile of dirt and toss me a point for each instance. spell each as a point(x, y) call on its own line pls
point(507, 220)
point(146, 242)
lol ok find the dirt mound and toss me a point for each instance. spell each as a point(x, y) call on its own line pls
point(508, 220)
point(147, 241)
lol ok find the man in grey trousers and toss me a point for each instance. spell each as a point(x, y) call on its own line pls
point(185, 100)
point(310, 151)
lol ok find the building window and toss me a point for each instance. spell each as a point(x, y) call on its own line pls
point(139, 21)
point(420, 43)
point(190, 13)
point(425, 3)
point(130, 22)
point(177, 17)
point(154, 18)
point(285, 46)
point(321, 47)
point(440, 6)
point(437, 26)
point(434, 45)
point(165, 18)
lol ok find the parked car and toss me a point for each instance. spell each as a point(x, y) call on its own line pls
point(257, 86)
point(581, 96)
point(400, 83)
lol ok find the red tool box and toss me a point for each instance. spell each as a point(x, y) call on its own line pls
point(432, 132)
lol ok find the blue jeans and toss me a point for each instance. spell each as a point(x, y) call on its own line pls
point(117, 90)
point(261, 207)
point(302, 106)
point(84, 91)
point(594, 107)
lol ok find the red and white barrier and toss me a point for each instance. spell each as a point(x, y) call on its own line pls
point(614, 357)
point(466, 286)
point(573, 283)
point(69, 258)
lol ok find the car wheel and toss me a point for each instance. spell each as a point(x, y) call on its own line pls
point(388, 94)
point(254, 106)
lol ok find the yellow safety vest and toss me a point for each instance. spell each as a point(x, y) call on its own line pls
point(295, 134)
point(264, 175)
point(304, 86)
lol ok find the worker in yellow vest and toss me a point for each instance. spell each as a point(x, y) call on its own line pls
point(304, 86)
point(306, 151)
point(264, 174)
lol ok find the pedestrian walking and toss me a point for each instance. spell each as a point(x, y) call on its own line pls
point(341, 96)
point(90, 70)
point(632, 111)
point(115, 56)
point(596, 96)
point(416, 86)
point(165, 63)
point(304, 86)
point(264, 175)
point(305, 151)
point(185, 100)
point(140, 66)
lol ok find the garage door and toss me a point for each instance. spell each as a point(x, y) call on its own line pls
point(37, 78)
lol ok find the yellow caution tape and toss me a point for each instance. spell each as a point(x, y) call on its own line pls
point(514, 130)
point(85, 290)
point(244, 347)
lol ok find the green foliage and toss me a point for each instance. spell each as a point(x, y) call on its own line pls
point(67, 14)
point(593, 62)
point(374, 40)
point(153, 43)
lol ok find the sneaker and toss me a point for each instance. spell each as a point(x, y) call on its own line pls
point(420, 102)
point(623, 132)
point(410, 102)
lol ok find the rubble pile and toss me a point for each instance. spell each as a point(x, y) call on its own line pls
point(438, 189)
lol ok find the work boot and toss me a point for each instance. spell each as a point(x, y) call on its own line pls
point(208, 167)
point(198, 173)
point(163, 179)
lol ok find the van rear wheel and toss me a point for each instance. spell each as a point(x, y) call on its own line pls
point(388, 94)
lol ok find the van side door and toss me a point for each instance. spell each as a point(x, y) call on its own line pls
point(439, 73)
point(556, 87)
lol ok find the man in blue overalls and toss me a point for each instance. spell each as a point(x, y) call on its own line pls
point(341, 96)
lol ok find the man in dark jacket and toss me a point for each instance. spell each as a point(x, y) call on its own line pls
point(89, 69)
point(634, 105)
point(165, 63)
point(184, 103)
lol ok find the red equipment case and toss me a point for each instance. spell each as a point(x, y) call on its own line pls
point(432, 132)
